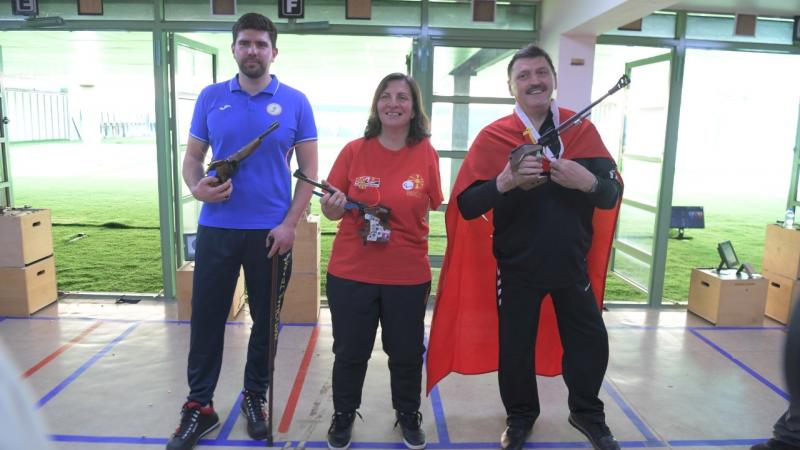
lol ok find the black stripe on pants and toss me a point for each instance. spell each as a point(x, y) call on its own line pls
point(583, 336)
point(219, 254)
point(356, 308)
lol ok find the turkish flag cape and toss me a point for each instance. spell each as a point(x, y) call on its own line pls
point(464, 334)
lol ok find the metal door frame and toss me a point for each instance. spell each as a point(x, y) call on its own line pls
point(658, 257)
point(179, 141)
point(791, 201)
point(6, 187)
point(628, 249)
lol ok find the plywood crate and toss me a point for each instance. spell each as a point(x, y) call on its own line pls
point(306, 248)
point(184, 278)
point(26, 236)
point(25, 290)
point(302, 298)
point(727, 299)
point(782, 251)
point(782, 295)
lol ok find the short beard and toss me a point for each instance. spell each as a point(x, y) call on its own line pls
point(255, 72)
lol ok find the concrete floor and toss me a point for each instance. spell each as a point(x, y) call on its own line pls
point(112, 376)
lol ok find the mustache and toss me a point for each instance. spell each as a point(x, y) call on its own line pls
point(538, 87)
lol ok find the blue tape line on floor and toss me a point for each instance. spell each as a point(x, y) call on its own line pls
point(107, 439)
point(439, 416)
point(632, 416)
point(233, 414)
point(715, 442)
point(399, 445)
point(85, 366)
point(230, 421)
point(744, 366)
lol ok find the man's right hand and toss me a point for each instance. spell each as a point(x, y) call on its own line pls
point(208, 191)
point(527, 175)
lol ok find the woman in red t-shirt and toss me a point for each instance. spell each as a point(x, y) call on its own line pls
point(379, 269)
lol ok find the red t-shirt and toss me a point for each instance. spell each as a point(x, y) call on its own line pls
point(405, 180)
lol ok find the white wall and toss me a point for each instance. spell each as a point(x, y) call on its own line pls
point(568, 32)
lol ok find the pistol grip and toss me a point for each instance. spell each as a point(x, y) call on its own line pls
point(225, 169)
point(521, 151)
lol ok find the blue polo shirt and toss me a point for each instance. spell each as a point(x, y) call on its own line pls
point(227, 118)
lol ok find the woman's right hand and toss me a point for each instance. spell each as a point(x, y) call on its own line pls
point(333, 205)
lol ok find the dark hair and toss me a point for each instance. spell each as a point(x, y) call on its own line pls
point(419, 127)
point(530, 51)
point(258, 22)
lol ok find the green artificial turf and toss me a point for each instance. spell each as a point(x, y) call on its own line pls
point(106, 227)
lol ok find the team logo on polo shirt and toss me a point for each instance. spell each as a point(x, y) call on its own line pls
point(413, 185)
point(274, 109)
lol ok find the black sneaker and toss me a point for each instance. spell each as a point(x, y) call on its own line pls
point(774, 444)
point(410, 425)
point(196, 421)
point(341, 430)
point(598, 433)
point(253, 409)
point(514, 436)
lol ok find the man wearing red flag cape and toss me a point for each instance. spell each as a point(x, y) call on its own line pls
point(548, 223)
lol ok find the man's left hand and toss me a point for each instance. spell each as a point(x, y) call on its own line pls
point(572, 175)
point(280, 239)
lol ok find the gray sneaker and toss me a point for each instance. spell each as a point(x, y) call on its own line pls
point(411, 426)
point(341, 430)
point(598, 433)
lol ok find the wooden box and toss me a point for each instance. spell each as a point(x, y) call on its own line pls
point(306, 249)
point(25, 236)
point(727, 299)
point(782, 295)
point(301, 301)
point(782, 251)
point(25, 290)
point(302, 298)
point(183, 280)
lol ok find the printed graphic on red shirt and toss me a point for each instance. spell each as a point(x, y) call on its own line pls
point(367, 181)
point(413, 185)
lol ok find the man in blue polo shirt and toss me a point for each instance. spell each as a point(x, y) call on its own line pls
point(244, 221)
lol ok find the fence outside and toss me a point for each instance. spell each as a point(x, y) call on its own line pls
point(46, 116)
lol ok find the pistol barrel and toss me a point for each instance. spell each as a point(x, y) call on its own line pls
point(271, 128)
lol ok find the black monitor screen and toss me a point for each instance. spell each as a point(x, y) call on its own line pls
point(728, 255)
point(687, 217)
point(189, 243)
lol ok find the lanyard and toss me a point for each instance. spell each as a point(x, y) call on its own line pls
point(533, 133)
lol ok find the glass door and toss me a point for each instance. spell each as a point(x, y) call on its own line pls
point(470, 91)
point(640, 163)
point(193, 66)
point(6, 196)
point(794, 198)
